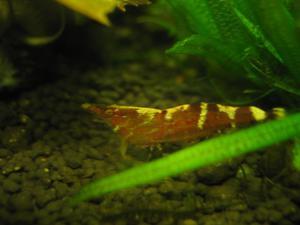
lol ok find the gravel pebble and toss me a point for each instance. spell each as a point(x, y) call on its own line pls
point(11, 186)
point(216, 174)
point(43, 197)
point(61, 189)
point(4, 152)
point(14, 137)
point(21, 201)
point(188, 222)
point(73, 160)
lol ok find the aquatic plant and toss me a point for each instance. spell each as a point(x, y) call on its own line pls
point(254, 43)
point(254, 47)
point(99, 9)
point(197, 156)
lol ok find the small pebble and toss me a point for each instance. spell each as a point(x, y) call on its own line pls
point(14, 137)
point(216, 174)
point(54, 206)
point(43, 197)
point(61, 189)
point(21, 201)
point(11, 186)
point(4, 152)
point(73, 159)
point(188, 222)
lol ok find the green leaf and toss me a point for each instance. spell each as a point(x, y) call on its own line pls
point(258, 34)
point(196, 16)
point(198, 156)
point(296, 154)
point(95, 9)
point(267, 30)
point(204, 46)
point(233, 65)
point(279, 28)
point(99, 9)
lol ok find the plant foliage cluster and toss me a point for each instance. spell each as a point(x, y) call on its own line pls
point(255, 44)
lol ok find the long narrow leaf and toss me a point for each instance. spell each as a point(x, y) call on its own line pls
point(207, 47)
point(296, 154)
point(258, 34)
point(203, 154)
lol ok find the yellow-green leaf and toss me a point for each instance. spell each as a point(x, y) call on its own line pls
point(99, 9)
point(95, 9)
